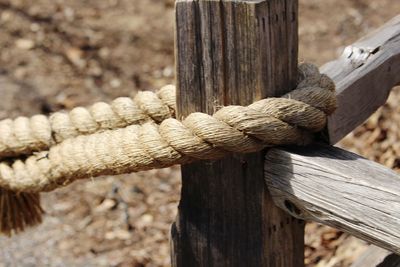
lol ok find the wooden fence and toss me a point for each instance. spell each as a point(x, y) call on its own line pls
point(236, 52)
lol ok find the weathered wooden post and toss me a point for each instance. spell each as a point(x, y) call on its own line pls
point(233, 52)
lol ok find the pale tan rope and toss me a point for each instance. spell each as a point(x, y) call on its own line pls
point(271, 121)
point(24, 135)
point(87, 148)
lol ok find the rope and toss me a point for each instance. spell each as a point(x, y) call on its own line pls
point(141, 134)
point(268, 122)
point(23, 135)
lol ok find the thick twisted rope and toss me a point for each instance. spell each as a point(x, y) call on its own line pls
point(129, 136)
point(23, 135)
point(268, 122)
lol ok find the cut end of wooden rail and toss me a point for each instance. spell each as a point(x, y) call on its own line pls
point(337, 188)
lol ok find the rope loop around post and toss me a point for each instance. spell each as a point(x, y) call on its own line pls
point(142, 134)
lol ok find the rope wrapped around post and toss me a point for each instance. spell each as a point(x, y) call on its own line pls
point(158, 140)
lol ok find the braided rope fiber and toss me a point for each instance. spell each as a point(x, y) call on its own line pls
point(272, 121)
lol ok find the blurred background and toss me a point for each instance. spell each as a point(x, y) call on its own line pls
point(58, 54)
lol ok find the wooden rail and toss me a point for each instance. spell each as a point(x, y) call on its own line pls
point(337, 188)
point(364, 76)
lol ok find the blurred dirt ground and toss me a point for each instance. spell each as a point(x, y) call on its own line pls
point(58, 54)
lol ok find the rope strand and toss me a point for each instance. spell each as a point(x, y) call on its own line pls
point(23, 135)
point(268, 122)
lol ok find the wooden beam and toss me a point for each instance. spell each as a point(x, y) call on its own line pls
point(233, 52)
point(339, 189)
point(364, 76)
point(377, 257)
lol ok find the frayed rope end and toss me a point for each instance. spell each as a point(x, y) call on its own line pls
point(19, 210)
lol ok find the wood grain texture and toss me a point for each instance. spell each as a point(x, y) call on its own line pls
point(377, 257)
point(233, 52)
point(339, 189)
point(364, 76)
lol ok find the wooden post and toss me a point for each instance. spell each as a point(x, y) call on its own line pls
point(233, 52)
